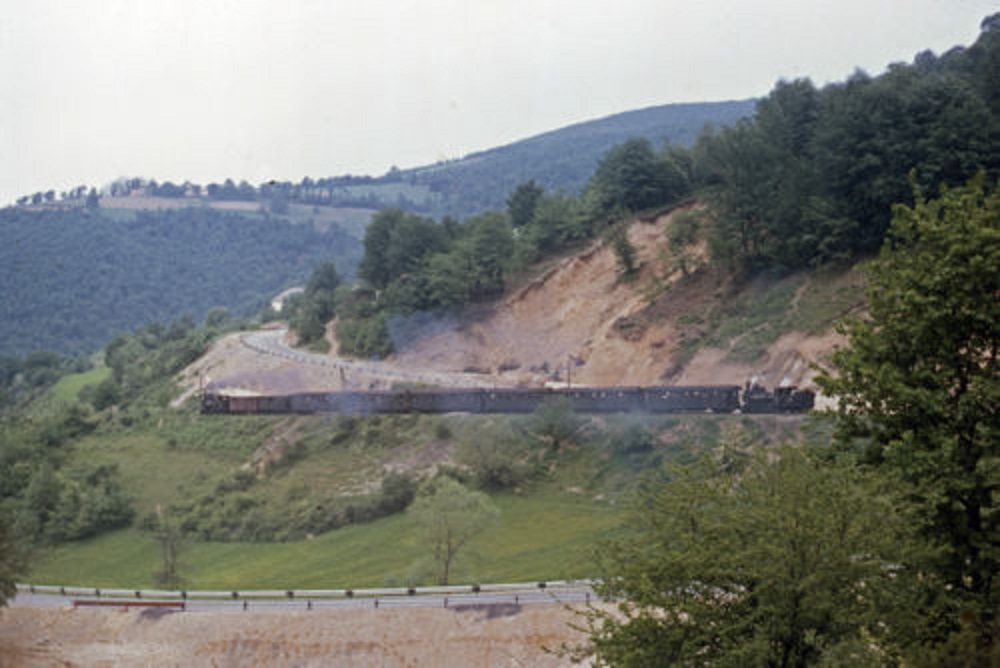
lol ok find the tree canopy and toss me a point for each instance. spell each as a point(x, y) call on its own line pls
point(919, 380)
point(812, 176)
point(778, 562)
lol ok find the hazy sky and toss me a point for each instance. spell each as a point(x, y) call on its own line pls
point(254, 89)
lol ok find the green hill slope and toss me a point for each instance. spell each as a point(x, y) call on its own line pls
point(563, 159)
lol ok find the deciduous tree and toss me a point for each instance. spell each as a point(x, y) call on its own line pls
point(448, 516)
point(920, 381)
point(779, 563)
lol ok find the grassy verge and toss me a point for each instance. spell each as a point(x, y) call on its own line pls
point(539, 536)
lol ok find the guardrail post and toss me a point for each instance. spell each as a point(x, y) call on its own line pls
point(376, 604)
point(446, 601)
point(244, 604)
point(309, 605)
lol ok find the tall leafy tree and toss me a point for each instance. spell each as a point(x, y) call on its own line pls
point(396, 243)
point(522, 203)
point(920, 380)
point(631, 176)
point(777, 562)
point(448, 516)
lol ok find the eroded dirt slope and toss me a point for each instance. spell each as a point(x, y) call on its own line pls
point(580, 319)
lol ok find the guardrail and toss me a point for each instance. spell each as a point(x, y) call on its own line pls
point(312, 594)
point(91, 602)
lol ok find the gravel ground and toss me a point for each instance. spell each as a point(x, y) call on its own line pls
point(472, 635)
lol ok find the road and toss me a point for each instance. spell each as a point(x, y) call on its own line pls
point(271, 342)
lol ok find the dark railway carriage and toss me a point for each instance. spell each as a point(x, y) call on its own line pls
point(692, 399)
point(264, 404)
point(244, 404)
point(605, 399)
point(757, 399)
point(659, 399)
point(792, 400)
point(447, 401)
point(514, 400)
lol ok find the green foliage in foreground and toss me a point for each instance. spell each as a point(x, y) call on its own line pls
point(919, 384)
point(772, 563)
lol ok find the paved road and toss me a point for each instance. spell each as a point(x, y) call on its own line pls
point(459, 601)
point(271, 342)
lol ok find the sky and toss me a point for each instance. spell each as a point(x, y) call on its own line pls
point(205, 90)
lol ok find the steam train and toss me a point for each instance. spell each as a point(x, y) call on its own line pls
point(655, 399)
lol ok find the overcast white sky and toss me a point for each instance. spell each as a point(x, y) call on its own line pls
point(258, 89)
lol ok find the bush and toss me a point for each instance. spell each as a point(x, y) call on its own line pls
point(495, 460)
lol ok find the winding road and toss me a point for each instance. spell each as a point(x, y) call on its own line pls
point(272, 342)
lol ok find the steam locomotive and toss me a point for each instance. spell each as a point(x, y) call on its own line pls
point(656, 399)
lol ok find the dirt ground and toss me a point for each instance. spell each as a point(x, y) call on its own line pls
point(500, 635)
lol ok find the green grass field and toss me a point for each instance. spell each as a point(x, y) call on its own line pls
point(539, 536)
point(68, 387)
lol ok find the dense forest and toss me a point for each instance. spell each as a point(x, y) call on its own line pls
point(74, 278)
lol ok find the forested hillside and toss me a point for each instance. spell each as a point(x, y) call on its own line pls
point(72, 279)
point(565, 159)
point(812, 177)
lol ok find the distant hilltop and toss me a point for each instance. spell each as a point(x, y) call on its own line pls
point(560, 160)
